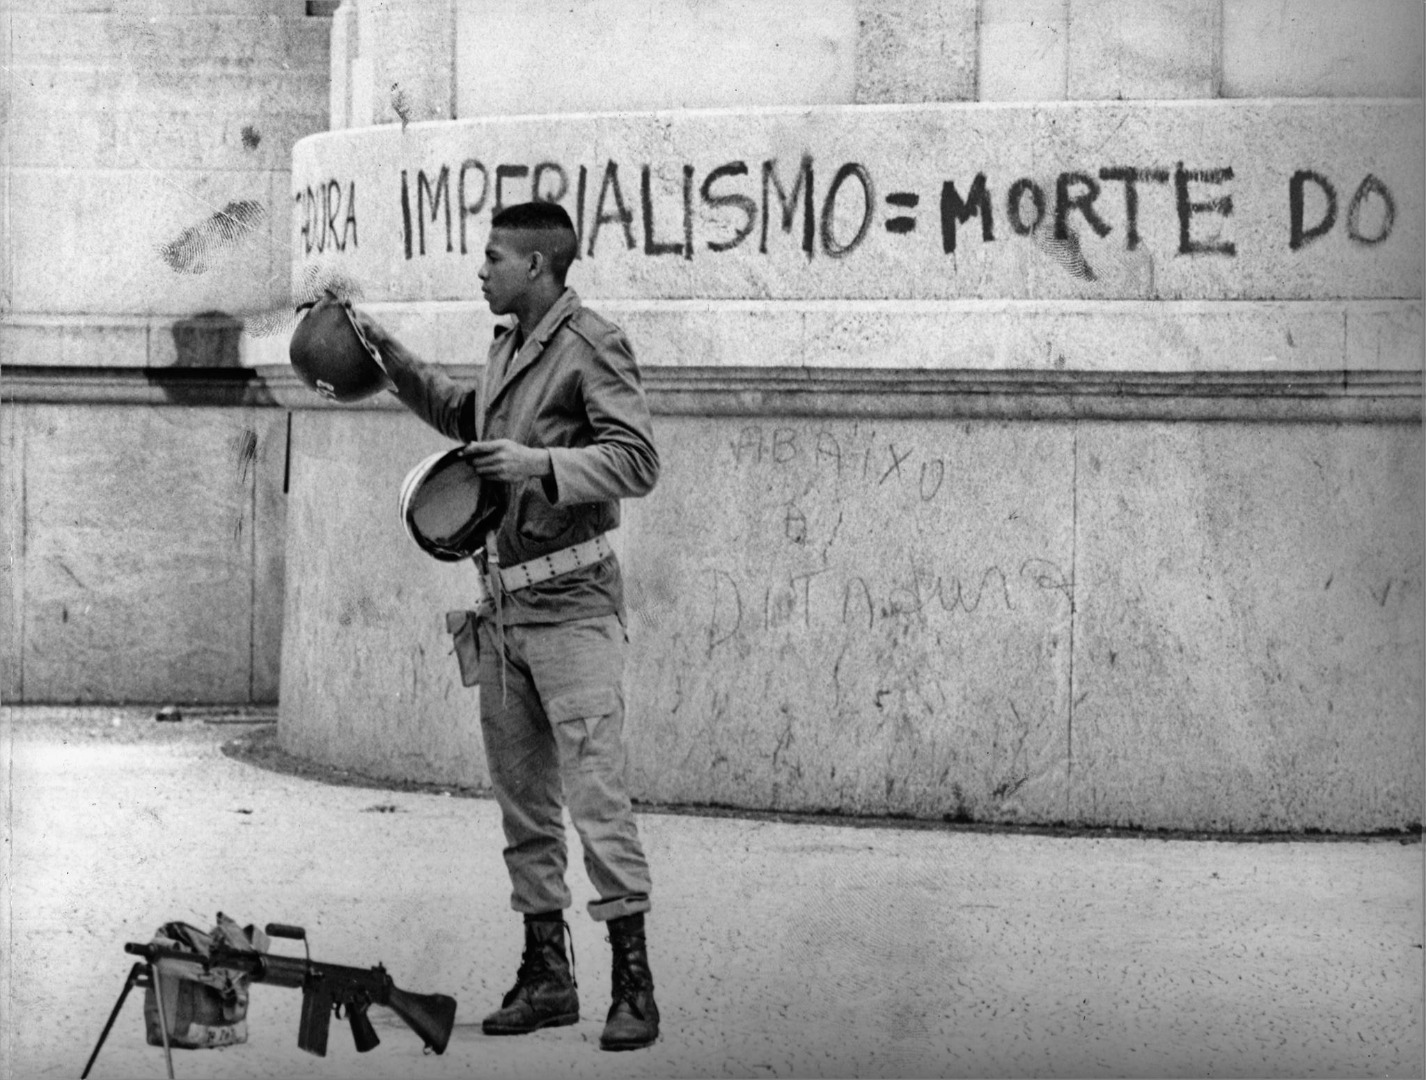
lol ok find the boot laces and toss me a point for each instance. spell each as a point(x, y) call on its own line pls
point(532, 961)
point(627, 986)
point(629, 975)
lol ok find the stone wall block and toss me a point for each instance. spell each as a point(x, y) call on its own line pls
point(12, 551)
point(1245, 661)
point(1385, 336)
point(173, 241)
point(411, 49)
point(266, 460)
point(1023, 50)
point(171, 49)
point(1144, 49)
point(731, 54)
point(343, 49)
point(166, 10)
point(58, 342)
point(136, 590)
point(1322, 48)
point(99, 120)
point(390, 700)
point(909, 51)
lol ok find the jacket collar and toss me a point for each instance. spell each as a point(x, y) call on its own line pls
point(564, 307)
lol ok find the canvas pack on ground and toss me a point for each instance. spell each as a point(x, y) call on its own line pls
point(203, 1008)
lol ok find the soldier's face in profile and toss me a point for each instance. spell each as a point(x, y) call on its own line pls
point(507, 272)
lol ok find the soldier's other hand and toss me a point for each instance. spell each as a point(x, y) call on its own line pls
point(505, 459)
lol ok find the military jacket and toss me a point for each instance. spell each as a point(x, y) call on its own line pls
point(573, 389)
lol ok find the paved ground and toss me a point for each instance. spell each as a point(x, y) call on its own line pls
point(780, 949)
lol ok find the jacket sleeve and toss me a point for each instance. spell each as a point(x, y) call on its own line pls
point(429, 392)
point(621, 462)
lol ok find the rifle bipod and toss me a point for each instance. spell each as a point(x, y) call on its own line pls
point(141, 974)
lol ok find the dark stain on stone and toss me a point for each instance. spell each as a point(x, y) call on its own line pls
point(208, 339)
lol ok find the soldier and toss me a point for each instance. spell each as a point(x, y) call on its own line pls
point(560, 420)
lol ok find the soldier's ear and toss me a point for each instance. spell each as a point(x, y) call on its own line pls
point(537, 264)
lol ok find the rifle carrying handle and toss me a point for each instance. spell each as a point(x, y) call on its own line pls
point(284, 930)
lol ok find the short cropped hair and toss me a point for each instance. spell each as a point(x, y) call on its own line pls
point(555, 237)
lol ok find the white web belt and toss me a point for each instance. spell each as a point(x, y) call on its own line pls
point(523, 575)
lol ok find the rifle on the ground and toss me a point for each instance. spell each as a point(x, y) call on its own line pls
point(327, 990)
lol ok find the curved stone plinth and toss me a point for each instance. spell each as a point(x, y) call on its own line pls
point(1113, 520)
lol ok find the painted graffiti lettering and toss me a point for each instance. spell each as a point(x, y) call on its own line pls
point(788, 203)
point(1013, 199)
point(784, 444)
point(830, 244)
point(829, 449)
point(936, 468)
point(735, 199)
point(1083, 202)
point(621, 213)
point(794, 524)
point(1302, 235)
point(902, 223)
point(1131, 178)
point(536, 195)
point(749, 441)
point(439, 194)
point(467, 208)
point(895, 466)
point(955, 210)
point(319, 211)
point(751, 445)
point(1369, 187)
point(1187, 208)
point(722, 625)
point(503, 173)
point(821, 598)
point(1372, 198)
point(743, 203)
point(652, 246)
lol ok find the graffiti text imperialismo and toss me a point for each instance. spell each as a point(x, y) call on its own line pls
point(747, 205)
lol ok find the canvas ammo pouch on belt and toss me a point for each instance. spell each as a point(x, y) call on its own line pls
point(203, 1008)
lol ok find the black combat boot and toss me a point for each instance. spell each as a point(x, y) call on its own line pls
point(544, 993)
point(633, 1020)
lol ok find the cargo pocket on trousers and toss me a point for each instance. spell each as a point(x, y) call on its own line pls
point(577, 716)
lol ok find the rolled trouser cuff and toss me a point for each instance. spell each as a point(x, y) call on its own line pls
point(617, 908)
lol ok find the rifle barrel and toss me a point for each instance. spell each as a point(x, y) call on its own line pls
point(260, 967)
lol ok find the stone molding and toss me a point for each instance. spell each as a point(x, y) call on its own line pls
point(948, 394)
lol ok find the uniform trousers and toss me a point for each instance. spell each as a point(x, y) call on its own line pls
point(554, 738)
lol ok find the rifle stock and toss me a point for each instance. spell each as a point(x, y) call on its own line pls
point(430, 1016)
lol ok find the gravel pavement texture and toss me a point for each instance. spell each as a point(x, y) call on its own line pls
point(780, 948)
